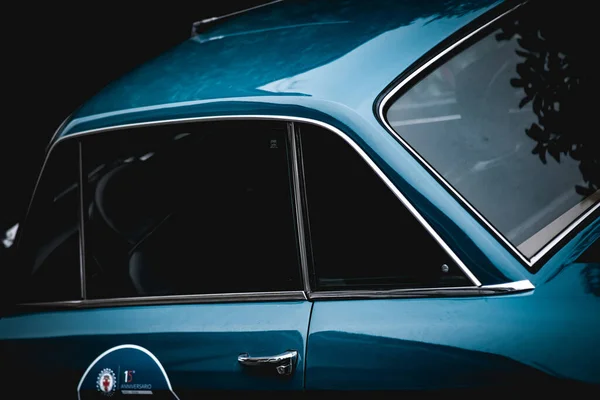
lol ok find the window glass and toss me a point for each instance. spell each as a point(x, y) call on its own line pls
point(49, 248)
point(362, 236)
point(507, 123)
point(189, 209)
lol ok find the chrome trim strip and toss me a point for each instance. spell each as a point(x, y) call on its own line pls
point(324, 125)
point(81, 222)
point(564, 233)
point(57, 131)
point(467, 291)
point(298, 205)
point(545, 235)
point(415, 75)
point(178, 299)
point(512, 286)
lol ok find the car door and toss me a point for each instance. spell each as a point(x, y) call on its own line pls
point(392, 309)
point(174, 269)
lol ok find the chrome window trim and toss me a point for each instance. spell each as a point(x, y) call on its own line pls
point(298, 295)
point(57, 131)
point(80, 222)
point(516, 286)
point(298, 207)
point(422, 72)
point(465, 291)
point(477, 289)
point(174, 299)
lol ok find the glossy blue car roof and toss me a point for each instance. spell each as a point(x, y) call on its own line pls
point(333, 57)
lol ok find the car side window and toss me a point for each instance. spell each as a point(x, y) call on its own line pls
point(48, 252)
point(189, 209)
point(506, 123)
point(362, 236)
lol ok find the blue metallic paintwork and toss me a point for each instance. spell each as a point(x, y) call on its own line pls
point(530, 338)
point(347, 63)
point(537, 338)
point(197, 345)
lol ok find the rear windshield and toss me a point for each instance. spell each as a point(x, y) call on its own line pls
point(506, 123)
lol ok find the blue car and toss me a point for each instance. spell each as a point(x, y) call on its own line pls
point(326, 195)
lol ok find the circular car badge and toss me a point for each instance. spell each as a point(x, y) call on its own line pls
point(106, 382)
point(126, 371)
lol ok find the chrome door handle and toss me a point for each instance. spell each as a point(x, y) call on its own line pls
point(284, 363)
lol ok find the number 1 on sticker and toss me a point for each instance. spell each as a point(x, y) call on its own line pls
point(128, 376)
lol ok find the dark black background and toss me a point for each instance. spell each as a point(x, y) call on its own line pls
point(57, 55)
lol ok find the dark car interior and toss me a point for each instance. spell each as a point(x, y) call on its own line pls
point(189, 214)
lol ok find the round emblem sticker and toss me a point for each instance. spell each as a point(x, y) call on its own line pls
point(126, 372)
point(106, 382)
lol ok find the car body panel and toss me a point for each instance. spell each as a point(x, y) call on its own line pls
point(198, 344)
point(499, 341)
point(322, 67)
